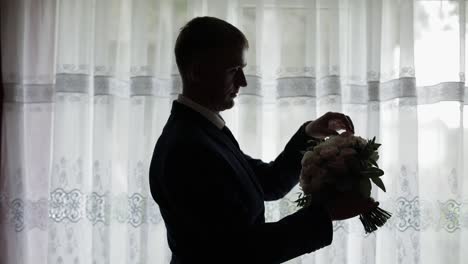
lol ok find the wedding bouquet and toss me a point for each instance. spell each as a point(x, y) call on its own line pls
point(352, 161)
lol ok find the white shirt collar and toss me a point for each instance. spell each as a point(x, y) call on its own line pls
point(213, 117)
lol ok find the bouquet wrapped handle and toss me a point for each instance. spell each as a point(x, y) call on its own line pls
point(374, 218)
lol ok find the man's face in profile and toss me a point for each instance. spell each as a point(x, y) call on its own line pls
point(224, 78)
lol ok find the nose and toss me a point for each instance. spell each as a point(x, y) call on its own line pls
point(241, 81)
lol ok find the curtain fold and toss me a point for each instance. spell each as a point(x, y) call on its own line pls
point(88, 87)
point(3, 210)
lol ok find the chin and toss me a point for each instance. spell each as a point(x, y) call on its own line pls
point(227, 105)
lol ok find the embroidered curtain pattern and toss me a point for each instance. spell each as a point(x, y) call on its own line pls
point(88, 86)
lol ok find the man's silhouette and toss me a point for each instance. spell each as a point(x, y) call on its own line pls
point(211, 195)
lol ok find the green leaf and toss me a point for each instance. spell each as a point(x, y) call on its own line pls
point(362, 163)
point(372, 172)
point(365, 187)
point(379, 183)
point(303, 200)
point(364, 155)
point(373, 163)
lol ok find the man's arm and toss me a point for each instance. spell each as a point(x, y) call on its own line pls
point(281, 175)
point(210, 220)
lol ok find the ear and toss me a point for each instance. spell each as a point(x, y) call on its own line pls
point(194, 72)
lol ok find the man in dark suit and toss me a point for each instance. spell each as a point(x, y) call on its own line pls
point(211, 195)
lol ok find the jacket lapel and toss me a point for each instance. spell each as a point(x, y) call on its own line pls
point(223, 139)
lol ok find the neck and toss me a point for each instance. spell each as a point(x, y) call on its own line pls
point(198, 98)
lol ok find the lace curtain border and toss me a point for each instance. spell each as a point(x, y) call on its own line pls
point(137, 209)
point(373, 91)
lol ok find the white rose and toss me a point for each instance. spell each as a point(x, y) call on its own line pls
point(348, 140)
point(331, 140)
point(338, 166)
point(307, 173)
point(316, 159)
point(311, 157)
point(346, 152)
point(310, 169)
point(306, 157)
point(319, 147)
point(310, 179)
point(339, 141)
point(329, 152)
point(361, 141)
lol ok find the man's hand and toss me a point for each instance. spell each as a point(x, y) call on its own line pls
point(328, 124)
point(347, 205)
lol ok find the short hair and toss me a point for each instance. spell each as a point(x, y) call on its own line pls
point(203, 36)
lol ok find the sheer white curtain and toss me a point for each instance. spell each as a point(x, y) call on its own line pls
point(89, 83)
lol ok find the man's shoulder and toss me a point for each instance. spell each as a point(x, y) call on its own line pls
point(181, 136)
point(182, 131)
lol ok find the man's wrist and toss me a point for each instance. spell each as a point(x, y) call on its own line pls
point(327, 210)
point(306, 126)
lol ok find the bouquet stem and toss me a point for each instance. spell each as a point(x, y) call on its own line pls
point(376, 217)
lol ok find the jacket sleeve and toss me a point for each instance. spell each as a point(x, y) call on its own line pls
point(207, 217)
point(281, 175)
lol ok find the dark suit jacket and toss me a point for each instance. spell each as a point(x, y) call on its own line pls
point(211, 196)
